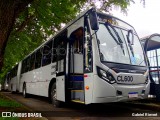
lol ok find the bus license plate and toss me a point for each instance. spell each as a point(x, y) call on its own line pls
point(133, 94)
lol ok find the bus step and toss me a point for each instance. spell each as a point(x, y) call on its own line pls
point(78, 101)
point(78, 85)
point(77, 95)
point(77, 90)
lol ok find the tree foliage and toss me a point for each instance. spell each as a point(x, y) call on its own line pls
point(35, 20)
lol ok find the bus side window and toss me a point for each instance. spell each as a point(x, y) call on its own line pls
point(8, 78)
point(77, 40)
point(27, 66)
point(47, 52)
point(14, 71)
point(61, 50)
point(32, 62)
point(59, 47)
point(23, 66)
point(38, 58)
point(54, 52)
point(11, 73)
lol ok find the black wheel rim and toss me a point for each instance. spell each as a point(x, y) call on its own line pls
point(54, 96)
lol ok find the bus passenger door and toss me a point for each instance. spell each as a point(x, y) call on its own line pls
point(61, 50)
point(76, 76)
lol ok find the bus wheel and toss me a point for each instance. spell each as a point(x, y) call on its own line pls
point(12, 89)
point(54, 100)
point(25, 95)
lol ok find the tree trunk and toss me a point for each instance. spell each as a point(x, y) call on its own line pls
point(7, 18)
point(9, 11)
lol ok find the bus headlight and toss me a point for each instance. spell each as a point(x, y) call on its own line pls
point(105, 75)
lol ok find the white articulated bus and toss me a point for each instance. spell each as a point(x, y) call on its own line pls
point(96, 58)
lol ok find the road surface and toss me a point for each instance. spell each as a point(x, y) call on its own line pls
point(111, 111)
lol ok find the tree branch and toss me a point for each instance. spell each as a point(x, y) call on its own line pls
point(24, 23)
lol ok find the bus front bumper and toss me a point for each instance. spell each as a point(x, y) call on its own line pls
point(104, 92)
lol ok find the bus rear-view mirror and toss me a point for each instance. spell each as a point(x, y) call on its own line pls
point(93, 19)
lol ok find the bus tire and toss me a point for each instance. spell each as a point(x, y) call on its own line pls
point(12, 89)
point(25, 95)
point(157, 92)
point(53, 94)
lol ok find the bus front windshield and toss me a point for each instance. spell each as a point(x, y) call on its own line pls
point(114, 46)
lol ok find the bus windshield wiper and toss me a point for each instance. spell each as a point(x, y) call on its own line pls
point(118, 41)
point(129, 43)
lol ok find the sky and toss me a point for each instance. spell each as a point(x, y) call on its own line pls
point(145, 20)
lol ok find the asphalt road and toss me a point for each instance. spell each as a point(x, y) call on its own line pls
point(109, 111)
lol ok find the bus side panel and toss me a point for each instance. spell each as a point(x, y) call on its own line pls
point(28, 78)
point(43, 82)
point(88, 81)
point(13, 83)
point(60, 87)
point(20, 85)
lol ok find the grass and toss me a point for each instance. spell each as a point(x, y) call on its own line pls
point(6, 102)
point(9, 103)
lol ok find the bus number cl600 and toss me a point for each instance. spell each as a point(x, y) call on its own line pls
point(124, 78)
